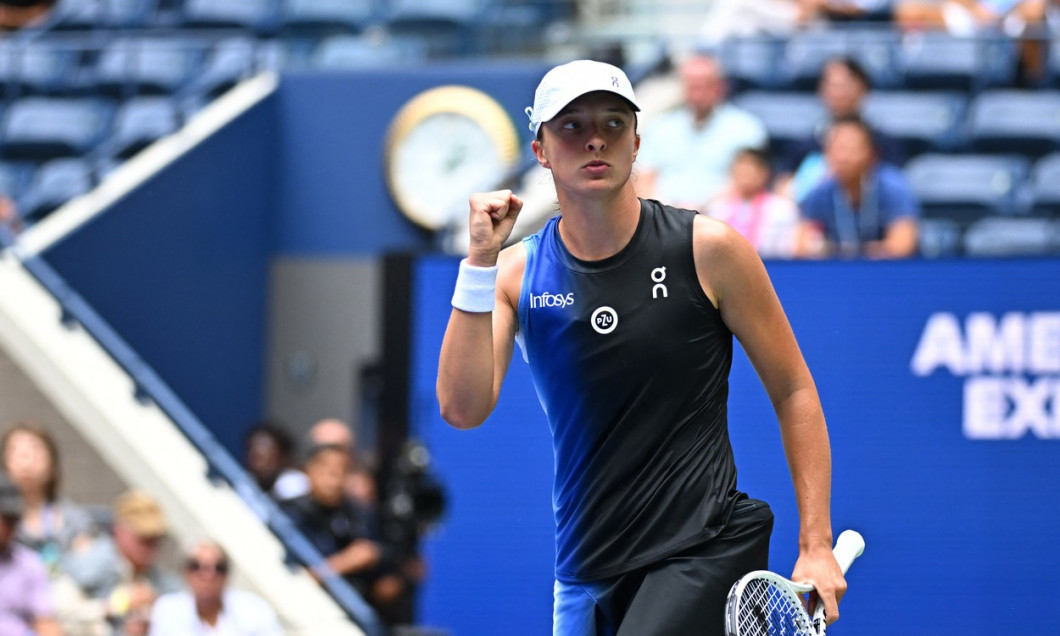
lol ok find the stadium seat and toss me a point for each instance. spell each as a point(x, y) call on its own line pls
point(1043, 187)
point(935, 60)
point(1026, 122)
point(447, 26)
point(14, 178)
point(1008, 236)
point(39, 128)
point(807, 51)
point(229, 61)
point(353, 52)
point(53, 184)
point(257, 16)
point(922, 121)
point(788, 117)
point(323, 17)
point(130, 66)
point(939, 238)
point(141, 121)
point(94, 14)
point(967, 187)
point(36, 68)
point(751, 62)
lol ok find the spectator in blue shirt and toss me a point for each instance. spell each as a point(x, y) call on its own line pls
point(865, 208)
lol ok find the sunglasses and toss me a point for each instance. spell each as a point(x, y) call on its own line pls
point(196, 566)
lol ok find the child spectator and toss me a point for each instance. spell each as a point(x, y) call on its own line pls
point(767, 220)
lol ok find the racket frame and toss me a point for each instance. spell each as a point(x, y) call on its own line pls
point(848, 547)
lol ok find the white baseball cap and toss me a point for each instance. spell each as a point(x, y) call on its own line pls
point(567, 82)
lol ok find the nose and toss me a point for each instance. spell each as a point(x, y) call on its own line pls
point(595, 142)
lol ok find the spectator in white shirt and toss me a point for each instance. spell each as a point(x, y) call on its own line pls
point(209, 606)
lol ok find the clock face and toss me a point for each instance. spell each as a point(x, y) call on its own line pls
point(442, 161)
point(444, 145)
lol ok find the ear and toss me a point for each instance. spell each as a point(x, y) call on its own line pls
point(539, 152)
point(636, 145)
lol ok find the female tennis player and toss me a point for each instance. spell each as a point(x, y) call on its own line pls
point(625, 310)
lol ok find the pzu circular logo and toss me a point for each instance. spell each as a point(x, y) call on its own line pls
point(604, 320)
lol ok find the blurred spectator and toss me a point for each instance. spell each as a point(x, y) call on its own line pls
point(25, 603)
point(268, 459)
point(359, 481)
point(740, 18)
point(209, 606)
point(853, 10)
point(10, 219)
point(1023, 20)
point(343, 530)
point(16, 14)
point(842, 89)
point(50, 525)
point(115, 579)
point(866, 208)
point(768, 221)
point(684, 160)
point(968, 17)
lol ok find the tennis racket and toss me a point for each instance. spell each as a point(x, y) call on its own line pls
point(763, 603)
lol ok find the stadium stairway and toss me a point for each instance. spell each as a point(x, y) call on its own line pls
point(138, 428)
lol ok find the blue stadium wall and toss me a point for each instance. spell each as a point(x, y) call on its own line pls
point(941, 384)
point(180, 267)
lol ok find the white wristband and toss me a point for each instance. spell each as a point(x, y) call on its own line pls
point(475, 288)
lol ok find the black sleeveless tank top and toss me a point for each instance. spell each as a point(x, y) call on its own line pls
point(630, 361)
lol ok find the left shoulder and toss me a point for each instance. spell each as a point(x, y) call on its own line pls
point(890, 172)
point(245, 599)
point(732, 114)
point(28, 561)
point(715, 236)
point(892, 182)
point(248, 607)
point(721, 254)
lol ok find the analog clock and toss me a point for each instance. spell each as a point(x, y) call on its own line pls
point(442, 145)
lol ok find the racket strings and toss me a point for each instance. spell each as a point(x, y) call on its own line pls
point(766, 609)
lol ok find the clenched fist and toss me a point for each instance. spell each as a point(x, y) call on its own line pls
point(492, 217)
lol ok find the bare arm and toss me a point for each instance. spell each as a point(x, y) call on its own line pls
point(900, 240)
point(477, 347)
point(734, 277)
point(47, 627)
point(359, 555)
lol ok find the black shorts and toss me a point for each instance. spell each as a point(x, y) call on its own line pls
point(681, 595)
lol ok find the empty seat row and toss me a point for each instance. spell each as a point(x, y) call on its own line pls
point(990, 237)
point(926, 60)
point(126, 66)
point(994, 121)
point(272, 17)
point(129, 66)
point(967, 187)
point(38, 129)
point(38, 190)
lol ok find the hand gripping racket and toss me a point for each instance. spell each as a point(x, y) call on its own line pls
point(763, 603)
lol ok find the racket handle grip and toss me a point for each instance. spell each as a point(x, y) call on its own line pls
point(848, 547)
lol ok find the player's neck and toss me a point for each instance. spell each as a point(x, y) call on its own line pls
point(594, 229)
